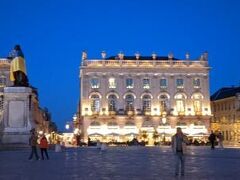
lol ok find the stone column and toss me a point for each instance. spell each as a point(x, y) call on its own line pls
point(17, 116)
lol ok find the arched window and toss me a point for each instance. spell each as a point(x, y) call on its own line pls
point(180, 103)
point(112, 101)
point(146, 103)
point(197, 103)
point(129, 100)
point(163, 103)
point(95, 103)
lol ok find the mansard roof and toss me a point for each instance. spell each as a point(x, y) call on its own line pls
point(141, 58)
point(225, 92)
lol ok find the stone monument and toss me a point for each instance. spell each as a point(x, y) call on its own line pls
point(18, 110)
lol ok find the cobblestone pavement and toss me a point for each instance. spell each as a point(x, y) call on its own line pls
point(121, 163)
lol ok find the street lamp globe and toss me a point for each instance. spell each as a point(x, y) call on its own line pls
point(67, 126)
point(74, 117)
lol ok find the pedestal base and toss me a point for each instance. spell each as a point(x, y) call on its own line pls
point(17, 116)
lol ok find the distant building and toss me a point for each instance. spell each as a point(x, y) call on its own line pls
point(147, 97)
point(225, 105)
point(28, 103)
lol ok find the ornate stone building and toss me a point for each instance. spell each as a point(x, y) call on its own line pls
point(225, 105)
point(147, 97)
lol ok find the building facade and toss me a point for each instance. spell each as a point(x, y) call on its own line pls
point(225, 105)
point(147, 97)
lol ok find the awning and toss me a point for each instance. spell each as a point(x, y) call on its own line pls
point(200, 134)
point(95, 134)
point(131, 134)
point(112, 134)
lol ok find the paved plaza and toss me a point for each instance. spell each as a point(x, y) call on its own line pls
point(120, 163)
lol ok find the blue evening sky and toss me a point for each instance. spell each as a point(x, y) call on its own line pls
point(52, 35)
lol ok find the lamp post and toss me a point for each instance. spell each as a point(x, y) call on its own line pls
point(164, 120)
point(76, 130)
point(75, 120)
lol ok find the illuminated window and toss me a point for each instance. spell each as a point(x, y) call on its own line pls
point(112, 101)
point(146, 83)
point(95, 83)
point(129, 83)
point(3, 81)
point(163, 103)
point(197, 104)
point(196, 83)
point(146, 103)
point(180, 103)
point(180, 83)
point(112, 83)
point(95, 103)
point(129, 102)
point(163, 83)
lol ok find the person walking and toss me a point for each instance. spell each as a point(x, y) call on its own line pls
point(212, 139)
point(220, 140)
point(58, 146)
point(33, 143)
point(179, 142)
point(44, 147)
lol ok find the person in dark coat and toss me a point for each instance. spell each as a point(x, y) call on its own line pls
point(212, 139)
point(179, 147)
point(33, 143)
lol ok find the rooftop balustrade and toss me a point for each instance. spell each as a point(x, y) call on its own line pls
point(143, 63)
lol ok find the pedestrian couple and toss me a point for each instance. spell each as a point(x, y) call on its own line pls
point(212, 138)
point(33, 142)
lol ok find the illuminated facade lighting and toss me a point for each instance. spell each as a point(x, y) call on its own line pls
point(143, 90)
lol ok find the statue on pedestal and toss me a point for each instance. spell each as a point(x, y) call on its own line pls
point(18, 73)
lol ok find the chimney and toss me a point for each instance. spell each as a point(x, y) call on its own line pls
point(120, 56)
point(205, 56)
point(170, 56)
point(137, 55)
point(187, 55)
point(103, 54)
point(154, 56)
point(84, 55)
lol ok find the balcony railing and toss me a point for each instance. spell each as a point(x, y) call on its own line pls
point(181, 113)
point(144, 63)
point(112, 112)
point(198, 113)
